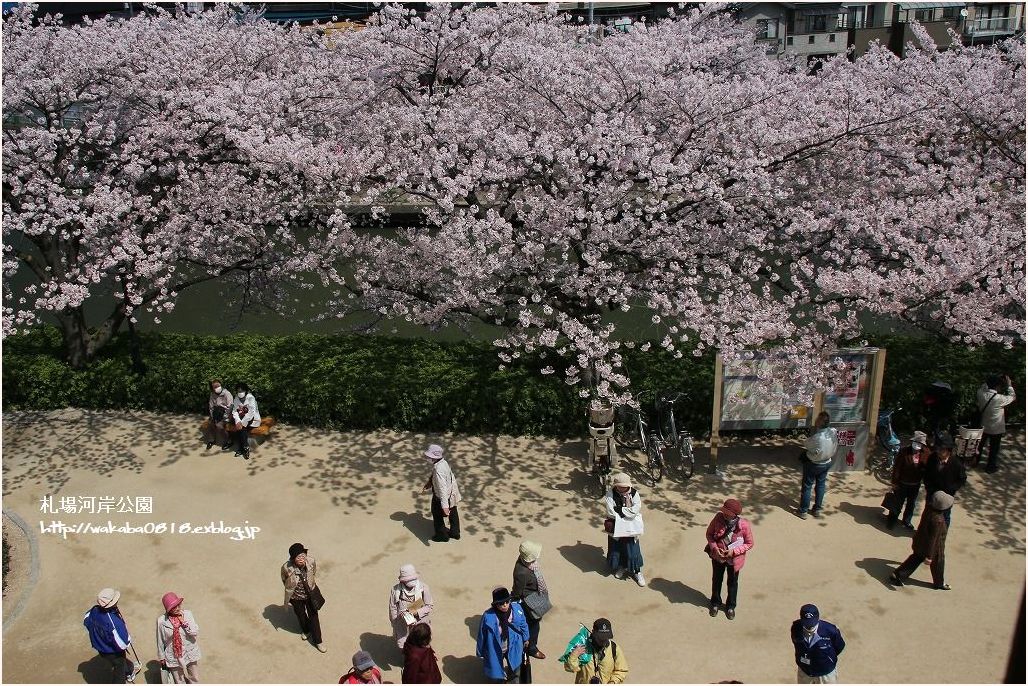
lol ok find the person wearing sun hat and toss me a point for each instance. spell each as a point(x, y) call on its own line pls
point(502, 639)
point(907, 474)
point(299, 577)
point(410, 603)
point(445, 495)
point(624, 512)
point(729, 537)
point(108, 634)
point(529, 581)
point(177, 649)
point(364, 671)
point(818, 645)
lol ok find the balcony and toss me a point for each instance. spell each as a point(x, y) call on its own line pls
point(993, 26)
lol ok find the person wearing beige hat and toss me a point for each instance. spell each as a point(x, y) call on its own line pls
point(531, 591)
point(624, 525)
point(109, 636)
point(410, 603)
point(177, 650)
point(929, 544)
point(445, 496)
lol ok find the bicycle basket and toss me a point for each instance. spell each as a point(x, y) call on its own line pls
point(601, 412)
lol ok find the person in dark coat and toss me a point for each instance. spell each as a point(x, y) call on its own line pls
point(943, 472)
point(929, 543)
point(528, 579)
point(818, 645)
point(419, 661)
point(907, 474)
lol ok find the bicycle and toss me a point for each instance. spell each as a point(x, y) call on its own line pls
point(630, 426)
point(602, 447)
point(889, 442)
point(668, 436)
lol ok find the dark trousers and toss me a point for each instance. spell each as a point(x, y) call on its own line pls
point(242, 438)
point(993, 441)
point(438, 519)
point(717, 579)
point(308, 616)
point(938, 567)
point(533, 632)
point(121, 668)
point(909, 494)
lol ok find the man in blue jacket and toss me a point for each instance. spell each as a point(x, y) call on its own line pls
point(502, 639)
point(109, 635)
point(817, 645)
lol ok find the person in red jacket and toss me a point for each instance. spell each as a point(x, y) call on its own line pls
point(419, 660)
point(728, 538)
point(364, 671)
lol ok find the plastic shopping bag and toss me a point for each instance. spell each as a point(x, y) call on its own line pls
point(579, 639)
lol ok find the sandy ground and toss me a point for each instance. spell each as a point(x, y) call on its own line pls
point(354, 501)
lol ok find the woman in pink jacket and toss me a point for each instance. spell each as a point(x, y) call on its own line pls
point(729, 536)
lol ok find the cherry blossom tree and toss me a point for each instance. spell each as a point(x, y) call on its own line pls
point(142, 157)
point(737, 199)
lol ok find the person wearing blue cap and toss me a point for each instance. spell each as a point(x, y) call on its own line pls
point(818, 644)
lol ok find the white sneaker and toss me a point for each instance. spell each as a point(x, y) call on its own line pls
point(322, 648)
point(639, 579)
point(619, 574)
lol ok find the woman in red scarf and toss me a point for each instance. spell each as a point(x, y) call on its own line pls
point(176, 641)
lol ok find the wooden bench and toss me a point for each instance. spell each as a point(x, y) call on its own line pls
point(257, 435)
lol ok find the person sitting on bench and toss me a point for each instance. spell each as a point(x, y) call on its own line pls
point(219, 405)
point(246, 417)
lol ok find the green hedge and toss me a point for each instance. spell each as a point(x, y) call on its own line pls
point(364, 382)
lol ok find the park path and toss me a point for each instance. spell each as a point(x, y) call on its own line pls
point(353, 500)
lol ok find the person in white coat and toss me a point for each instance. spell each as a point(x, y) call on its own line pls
point(625, 525)
point(410, 603)
point(246, 417)
point(445, 496)
point(177, 649)
point(991, 403)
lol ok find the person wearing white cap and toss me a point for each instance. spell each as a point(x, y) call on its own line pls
point(410, 603)
point(907, 473)
point(177, 649)
point(445, 496)
point(109, 636)
point(624, 513)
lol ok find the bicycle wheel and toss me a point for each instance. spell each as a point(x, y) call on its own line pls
point(685, 453)
point(654, 461)
point(626, 429)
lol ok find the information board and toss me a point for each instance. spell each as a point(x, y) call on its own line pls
point(746, 405)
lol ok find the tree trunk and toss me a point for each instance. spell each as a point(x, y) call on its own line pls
point(81, 346)
point(138, 367)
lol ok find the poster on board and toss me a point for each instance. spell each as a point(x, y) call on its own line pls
point(848, 399)
point(746, 405)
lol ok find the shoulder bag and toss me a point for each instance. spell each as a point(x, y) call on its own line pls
point(537, 604)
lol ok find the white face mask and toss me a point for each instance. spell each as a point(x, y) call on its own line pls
point(241, 396)
point(217, 390)
point(410, 584)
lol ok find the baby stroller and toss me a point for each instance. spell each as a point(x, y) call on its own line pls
point(603, 454)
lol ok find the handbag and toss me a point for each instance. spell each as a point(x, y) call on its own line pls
point(892, 501)
point(538, 604)
point(317, 600)
point(608, 525)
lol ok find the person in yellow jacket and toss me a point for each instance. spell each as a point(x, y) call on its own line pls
point(608, 665)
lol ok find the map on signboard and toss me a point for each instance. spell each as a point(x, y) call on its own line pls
point(746, 403)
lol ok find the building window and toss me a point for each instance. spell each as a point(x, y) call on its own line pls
point(788, 40)
point(817, 23)
point(950, 12)
point(810, 39)
point(767, 28)
point(925, 15)
point(831, 38)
